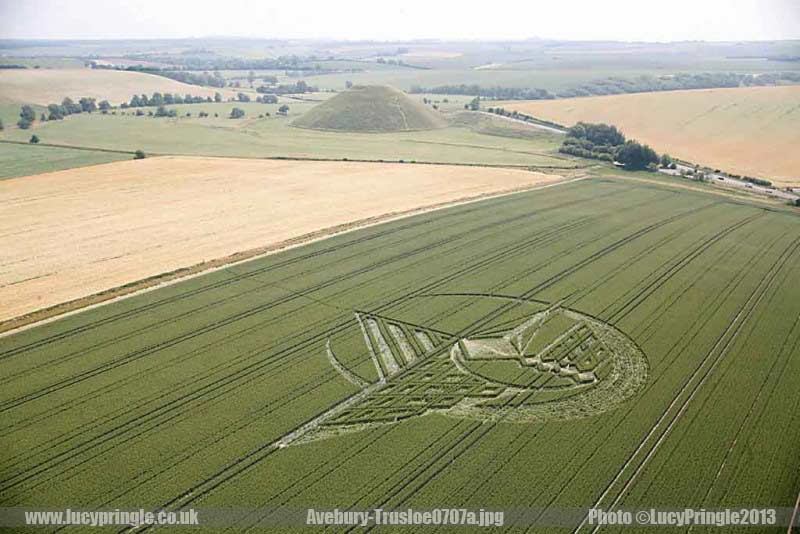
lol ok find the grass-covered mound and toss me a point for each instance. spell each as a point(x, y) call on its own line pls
point(371, 108)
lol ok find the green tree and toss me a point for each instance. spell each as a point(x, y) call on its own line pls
point(56, 112)
point(87, 104)
point(24, 124)
point(598, 134)
point(104, 105)
point(1, 126)
point(27, 113)
point(666, 160)
point(636, 156)
point(139, 154)
point(283, 110)
point(34, 139)
point(242, 97)
point(217, 97)
point(237, 113)
point(70, 107)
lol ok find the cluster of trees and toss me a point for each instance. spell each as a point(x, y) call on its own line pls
point(474, 104)
point(238, 113)
point(390, 61)
point(491, 93)
point(164, 112)
point(166, 99)
point(607, 143)
point(27, 115)
point(298, 87)
point(214, 79)
point(68, 107)
point(636, 156)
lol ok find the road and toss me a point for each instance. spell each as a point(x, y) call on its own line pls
point(717, 178)
point(529, 123)
point(721, 179)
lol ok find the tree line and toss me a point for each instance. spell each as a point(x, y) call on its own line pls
point(27, 114)
point(491, 93)
point(522, 116)
point(299, 87)
point(607, 143)
point(210, 62)
point(68, 106)
point(703, 80)
point(159, 99)
point(614, 85)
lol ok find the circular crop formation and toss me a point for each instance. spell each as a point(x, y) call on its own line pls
point(525, 361)
point(560, 364)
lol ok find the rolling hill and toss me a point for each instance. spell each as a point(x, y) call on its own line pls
point(371, 108)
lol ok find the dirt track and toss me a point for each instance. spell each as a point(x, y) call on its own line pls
point(70, 234)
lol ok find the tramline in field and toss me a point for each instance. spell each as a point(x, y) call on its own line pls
point(447, 359)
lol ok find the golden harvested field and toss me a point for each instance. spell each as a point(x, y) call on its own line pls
point(751, 131)
point(73, 233)
point(48, 86)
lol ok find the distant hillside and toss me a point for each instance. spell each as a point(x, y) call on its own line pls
point(372, 108)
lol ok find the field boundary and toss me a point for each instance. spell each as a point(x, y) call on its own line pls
point(517, 166)
point(73, 147)
point(737, 197)
point(64, 309)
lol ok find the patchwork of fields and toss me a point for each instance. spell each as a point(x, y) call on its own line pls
point(751, 131)
point(131, 220)
point(268, 384)
point(48, 86)
point(263, 133)
point(26, 159)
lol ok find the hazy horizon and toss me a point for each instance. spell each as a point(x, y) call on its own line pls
point(357, 20)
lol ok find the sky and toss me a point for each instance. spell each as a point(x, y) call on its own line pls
point(619, 20)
